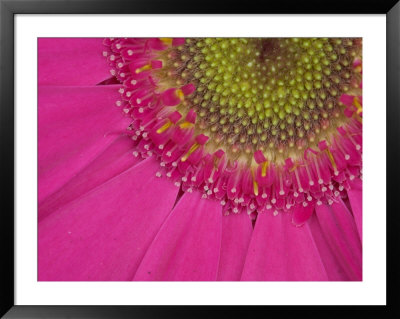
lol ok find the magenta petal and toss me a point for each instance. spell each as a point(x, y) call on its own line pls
point(340, 231)
point(279, 251)
point(236, 235)
point(76, 124)
point(332, 265)
point(187, 246)
point(178, 41)
point(346, 99)
point(170, 98)
point(301, 214)
point(105, 234)
point(355, 198)
point(113, 161)
point(71, 61)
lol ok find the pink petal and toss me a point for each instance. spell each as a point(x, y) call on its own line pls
point(333, 267)
point(188, 244)
point(113, 161)
point(236, 235)
point(355, 198)
point(71, 61)
point(340, 232)
point(301, 214)
point(188, 89)
point(346, 99)
point(279, 251)
point(105, 234)
point(178, 41)
point(170, 98)
point(76, 124)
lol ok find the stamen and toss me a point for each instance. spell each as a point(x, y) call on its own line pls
point(194, 177)
point(299, 188)
point(143, 127)
point(140, 100)
point(281, 191)
point(320, 181)
point(310, 180)
point(169, 153)
point(357, 146)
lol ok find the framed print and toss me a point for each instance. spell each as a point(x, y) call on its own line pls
point(159, 155)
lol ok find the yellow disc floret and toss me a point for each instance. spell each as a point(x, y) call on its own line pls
point(278, 93)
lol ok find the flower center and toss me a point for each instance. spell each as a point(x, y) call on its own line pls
point(276, 95)
point(257, 124)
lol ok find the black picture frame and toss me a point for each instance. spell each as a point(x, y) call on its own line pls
point(8, 10)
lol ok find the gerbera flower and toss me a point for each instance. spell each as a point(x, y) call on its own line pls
point(200, 159)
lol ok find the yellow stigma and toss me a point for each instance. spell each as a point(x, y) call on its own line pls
point(164, 127)
point(191, 150)
point(255, 184)
point(143, 68)
point(294, 167)
point(167, 41)
point(186, 124)
point(357, 104)
point(264, 167)
point(180, 94)
point(255, 188)
point(331, 159)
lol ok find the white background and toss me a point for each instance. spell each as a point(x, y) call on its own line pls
point(373, 288)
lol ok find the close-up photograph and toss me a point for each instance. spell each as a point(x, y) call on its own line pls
point(200, 159)
point(167, 160)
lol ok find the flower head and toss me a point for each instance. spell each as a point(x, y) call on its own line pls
point(269, 129)
point(254, 123)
